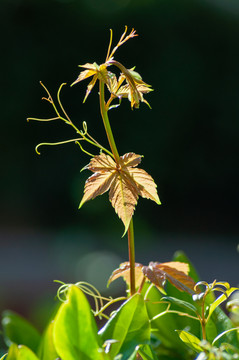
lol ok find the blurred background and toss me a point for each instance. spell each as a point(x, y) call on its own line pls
point(188, 51)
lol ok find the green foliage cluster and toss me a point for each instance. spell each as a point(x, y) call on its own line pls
point(147, 326)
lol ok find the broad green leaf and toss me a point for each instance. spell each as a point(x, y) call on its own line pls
point(19, 331)
point(183, 304)
point(20, 352)
point(218, 323)
point(75, 332)
point(220, 300)
point(191, 340)
point(129, 326)
point(147, 353)
point(163, 326)
point(47, 349)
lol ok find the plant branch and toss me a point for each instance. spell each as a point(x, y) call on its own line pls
point(131, 257)
point(106, 122)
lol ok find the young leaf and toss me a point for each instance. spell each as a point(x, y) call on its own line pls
point(129, 326)
point(183, 304)
point(124, 182)
point(19, 331)
point(191, 340)
point(175, 272)
point(220, 299)
point(124, 271)
point(20, 352)
point(47, 349)
point(75, 332)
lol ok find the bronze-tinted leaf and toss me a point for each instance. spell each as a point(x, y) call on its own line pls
point(123, 197)
point(176, 273)
point(145, 183)
point(101, 163)
point(158, 278)
point(124, 180)
point(130, 160)
point(97, 184)
point(124, 271)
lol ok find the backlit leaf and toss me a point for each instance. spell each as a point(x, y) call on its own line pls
point(175, 272)
point(124, 271)
point(191, 340)
point(74, 330)
point(129, 326)
point(124, 181)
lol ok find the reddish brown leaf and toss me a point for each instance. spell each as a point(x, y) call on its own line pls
point(175, 272)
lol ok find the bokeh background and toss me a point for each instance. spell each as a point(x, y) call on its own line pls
point(188, 51)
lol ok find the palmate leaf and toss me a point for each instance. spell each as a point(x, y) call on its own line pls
point(124, 181)
point(157, 273)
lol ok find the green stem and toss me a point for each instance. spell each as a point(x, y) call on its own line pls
point(131, 257)
point(106, 122)
point(114, 150)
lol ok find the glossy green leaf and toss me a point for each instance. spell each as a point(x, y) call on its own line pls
point(20, 352)
point(218, 323)
point(220, 300)
point(75, 332)
point(19, 331)
point(166, 334)
point(129, 326)
point(47, 349)
point(183, 304)
point(190, 340)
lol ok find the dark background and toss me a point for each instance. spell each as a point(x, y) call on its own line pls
point(188, 51)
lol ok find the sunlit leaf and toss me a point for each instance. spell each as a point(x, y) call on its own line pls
point(129, 326)
point(175, 272)
point(124, 271)
point(220, 300)
point(191, 340)
point(75, 332)
point(124, 181)
point(20, 352)
point(47, 349)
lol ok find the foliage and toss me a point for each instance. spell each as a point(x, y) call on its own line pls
point(167, 312)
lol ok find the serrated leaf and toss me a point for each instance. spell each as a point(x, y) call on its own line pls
point(124, 181)
point(124, 271)
point(175, 272)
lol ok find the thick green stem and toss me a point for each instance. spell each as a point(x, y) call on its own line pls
point(131, 257)
point(114, 150)
point(106, 122)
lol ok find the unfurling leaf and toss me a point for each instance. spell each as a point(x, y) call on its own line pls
point(157, 273)
point(124, 181)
